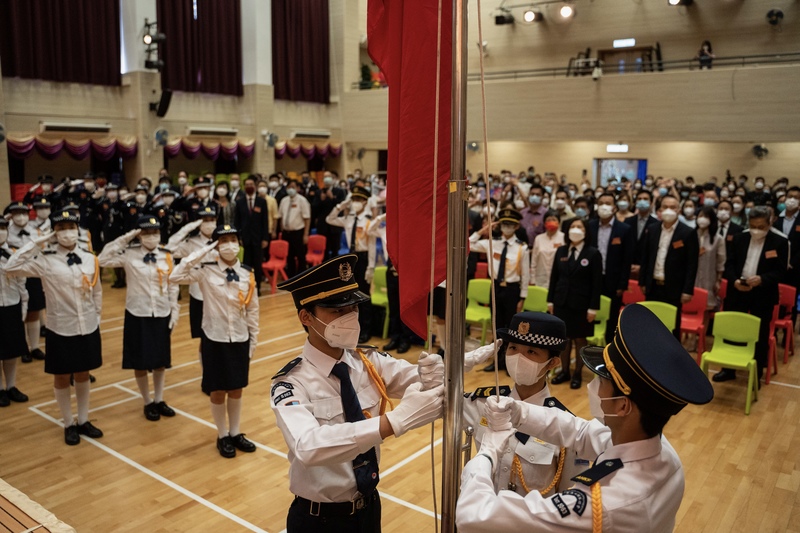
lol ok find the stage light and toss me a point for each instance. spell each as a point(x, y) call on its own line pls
point(150, 38)
point(680, 2)
point(567, 11)
point(532, 16)
point(156, 64)
point(504, 18)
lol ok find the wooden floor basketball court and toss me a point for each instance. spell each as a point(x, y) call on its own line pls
point(742, 472)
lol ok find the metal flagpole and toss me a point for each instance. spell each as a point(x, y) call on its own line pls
point(456, 275)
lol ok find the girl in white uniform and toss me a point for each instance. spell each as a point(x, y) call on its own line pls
point(13, 306)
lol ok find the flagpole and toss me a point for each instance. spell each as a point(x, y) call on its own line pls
point(456, 275)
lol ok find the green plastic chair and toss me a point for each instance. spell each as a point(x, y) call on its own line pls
point(666, 313)
point(479, 309)
point(536, 300)
point(380, 296)
point(600, 322)
point(740, 328)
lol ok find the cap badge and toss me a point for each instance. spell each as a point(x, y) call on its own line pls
point(523, 328)
point(345, 272)
point(65, 214)
point(226, 227)
point(152, 221)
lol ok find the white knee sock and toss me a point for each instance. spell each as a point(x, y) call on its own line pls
point(144, 388)
point(82, 395)
point(440, 332)
point(10, 371)
point(158, 385)
point(32, 330)
point(234, 415)
point(218, 412)
point(62, 398)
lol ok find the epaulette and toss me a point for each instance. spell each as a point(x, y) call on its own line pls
point(88, 251)
point(246, 267)
point(208, 263)
point(372, 348)
point(288, 368)
point(553, 402)
point(600, 470)
point(135, 245)
point(485, 392)
point(48, 252)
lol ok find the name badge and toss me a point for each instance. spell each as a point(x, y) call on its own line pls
point(797, 228)
point(565, 258)
point(616, 240)
point(256, 209)
point(702, 250)
point(677, 244)
point(497, 256)
point(771, 254)
point(729, 238)
point(556, 246)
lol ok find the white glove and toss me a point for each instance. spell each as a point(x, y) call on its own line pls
point(34, 187)
point(431, 370)
point(43, 239)
point(493, 445)
point(252, 349)
point(478, 356)
point(416, 409)
point(502, 414)
point(173, 319)
point(132, 234)
point(193, 225)
point(370, 273)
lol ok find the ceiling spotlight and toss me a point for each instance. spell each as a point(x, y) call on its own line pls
point(567, 11)
point(151, 38)
point(504, 17)
point(532, 16)
point(680, 2)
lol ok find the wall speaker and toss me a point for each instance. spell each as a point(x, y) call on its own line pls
point(162, 106)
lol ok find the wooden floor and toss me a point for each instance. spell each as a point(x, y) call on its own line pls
point(742, 472)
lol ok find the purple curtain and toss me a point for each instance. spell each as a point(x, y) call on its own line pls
point(301, 50)
point(102, 149)
point(61, 40)
point(228, 150)
point(202, 54)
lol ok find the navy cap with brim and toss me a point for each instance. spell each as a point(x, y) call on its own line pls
point(540, 330)
point(330, 284)
point(17, 206)
point(3, 222)
point(207, 211)
point(41, 203)
point(64, 215)
point(148, 222)
point(648, 364)
point(223, 229)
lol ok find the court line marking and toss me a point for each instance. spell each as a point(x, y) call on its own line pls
point(158, 477)
point(412, 457)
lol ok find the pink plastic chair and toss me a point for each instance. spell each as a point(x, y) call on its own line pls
point(316, 249)
point(693, 319)
point(278, 252)
point(634, 293)
point(788, 296)
point(772, 353)
point(482, 270)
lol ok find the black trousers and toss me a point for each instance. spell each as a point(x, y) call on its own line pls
point(296, 260)
point(367, 520)
point(397, 330)
point(506, 300)
point(659, 294)
point(364, 309)
point(613, 316)
point(746, 303)
point(253, 257)
point(333, 240)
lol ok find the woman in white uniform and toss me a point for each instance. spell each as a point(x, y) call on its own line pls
point(13, 307)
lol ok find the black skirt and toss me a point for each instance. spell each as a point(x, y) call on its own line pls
point(575, 320)
point(35, 294)
point(196, 317)
point(226, 365)
point(146, 342)
point(12, 331)
point(76, 353)
point(440, 302)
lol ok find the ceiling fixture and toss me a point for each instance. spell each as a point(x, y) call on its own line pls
point(617, 148)
point(532, 16)
point(567, 11)
point(504, 17)
point(624, 43)
point(680, 2)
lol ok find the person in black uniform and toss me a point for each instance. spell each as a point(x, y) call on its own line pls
point(251, 217)
point(13, 308)
point(576, 283)
point(639, 223)
point(113, 223)
point(322, 204)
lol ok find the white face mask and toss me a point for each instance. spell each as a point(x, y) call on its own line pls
point(222, 191)
point(150, 241)
point(20, 219)
point(759, 185)
point(291, 192)
point(228, 250)
point(273, 185)
point(202, 193)
point(519, 204)
point(545, 202)
point(234, 184)
point(668, 215)
point(703, 222)
point(623, 205)
point(168, 199)
point(262, 191)
point(560, 204)
point(605, 211)
point(524, 371)
point(342, 332)
point(737, 208)
point(67, 237)
point(42, 213)
point(724, 215)
point(89, 186)
point(3, 236)
point(112, 195)
point(141, 198)
point(207, 228)
point(688, 211)
point(596, 402)
point(181, 181)
point(508, 229)
point(792, 204)
point(576, 234)
point(758, 234)
point(357, 206)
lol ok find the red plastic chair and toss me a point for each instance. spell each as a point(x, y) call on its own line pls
point(634, 293)
point(278, 252)
point(693, 319)
point(772, 352)
point(788, 296)
point(316, 249)
point(482, 270)
point(723, 291)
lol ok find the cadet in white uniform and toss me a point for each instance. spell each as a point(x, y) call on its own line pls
point(636, 484)
point(70, 275)
point(230, 331)
point(13, 306)
point(330, 404)
point(151, 309)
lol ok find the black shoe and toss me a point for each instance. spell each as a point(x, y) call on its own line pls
point(15, 395)
point(164, 409)
point(726, 374)
point(364, 338)
point(4, 400)
point(71, 436)
point(393, 344)
point(576, 382)
point(26, 358)
point(561, 377)
point(489, 368)
point(151, 412)
point(92, 379)
point(225, 447)
point(37, 354)
point(89, 430)
point(242, 444)
point(404, 347)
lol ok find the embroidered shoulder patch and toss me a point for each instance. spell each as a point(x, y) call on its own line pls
point(288, 368)
point(246, 267)
point(285, 385)
point(600, 470)
point(580, 500)
point(560, 505)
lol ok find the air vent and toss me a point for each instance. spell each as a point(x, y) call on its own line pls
point(74, 126)
point(211, 130)
point(310, 134)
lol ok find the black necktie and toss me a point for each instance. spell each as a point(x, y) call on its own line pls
point(232, 275)
point(4, 253)
point(150, 258)
point(23, 233)
point(572, 256)
point(365, 465)
point(353, 235)
point(73, 259)
point(501, 270)
point(722, 231)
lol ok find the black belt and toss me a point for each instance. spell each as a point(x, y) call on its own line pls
point(338, 509)
point(659, 282)
point(506, 284)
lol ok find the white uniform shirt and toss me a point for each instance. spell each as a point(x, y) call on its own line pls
point(73, 303)
point(43, 225)
point(149, 293)
point(227, 315)
point(308, 407)
point(664, 241)
point(12, 288)
point(182, 246)
point(518, 266)
point(294, 212)
point(365, 234)
point(643, 495)
point(20, 236)
point(754, 250)
point(543, 256)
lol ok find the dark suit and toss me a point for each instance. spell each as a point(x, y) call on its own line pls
point(320, 209)
point(761, 300)
point(575, 286)
point(638, 238)
point(619, 256)
point(253, 226)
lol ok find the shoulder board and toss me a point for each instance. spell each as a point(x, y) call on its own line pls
point(48, 252)
point(246, 267)
point(162, 248)
point(485, 392)
point(86, 250)
point(208, 263)
point(553, 402)
point(600, 470)
point(288, 368)
point(135, 245)
point(368, 217)
point(367, 347)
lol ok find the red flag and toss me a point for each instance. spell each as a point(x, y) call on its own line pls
point(402, 38)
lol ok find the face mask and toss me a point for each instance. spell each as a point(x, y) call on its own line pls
point(519, 204)
point(581, 212)
point(710, 202)
point(596, 402)
point(662, 191)
point(759, 185)
point(67, 237)
point(642, 205)
point(758, 234)
point(623, 205)
point(781, 207)
point(222, 191)
point(164, 186)
point(649, 183)
point(181, 181)
point(202, 193)
point(89, 186)
point(249, 189)
point(141, 198)
point(42, 213)
point(545, 202)
point(234, 184)
point(535, 199)
point(687, 212)
point(551, 225)
point(3, 236)
point(342, 332)
point(20, 219)
point(112, 195)
point(584, 187)
point(725, 193)
point(150, 241)
point(207, 228)
point(571, 193)
point(228, 251)
point(576, 235)
point(357, 206)
point(605, 211)
point(560, 204)
point(508, 229)
point(168, 199)
point(291, 192)
point(668, 215)
point(262, 191)
point(327, 181)
point(725, 215)
point(703, 223)
point(792, 204)
point(524, 371)
point(746, 211)
point(273, 185)
point(737, 208)
point(481, 184)
point(549, 189)
point(684, 194)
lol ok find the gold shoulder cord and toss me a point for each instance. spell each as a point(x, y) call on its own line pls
point(88, 285)
point(517, 469)
point(597, 509)
point(244, 301)
point(378, 381)
point(168, 259)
